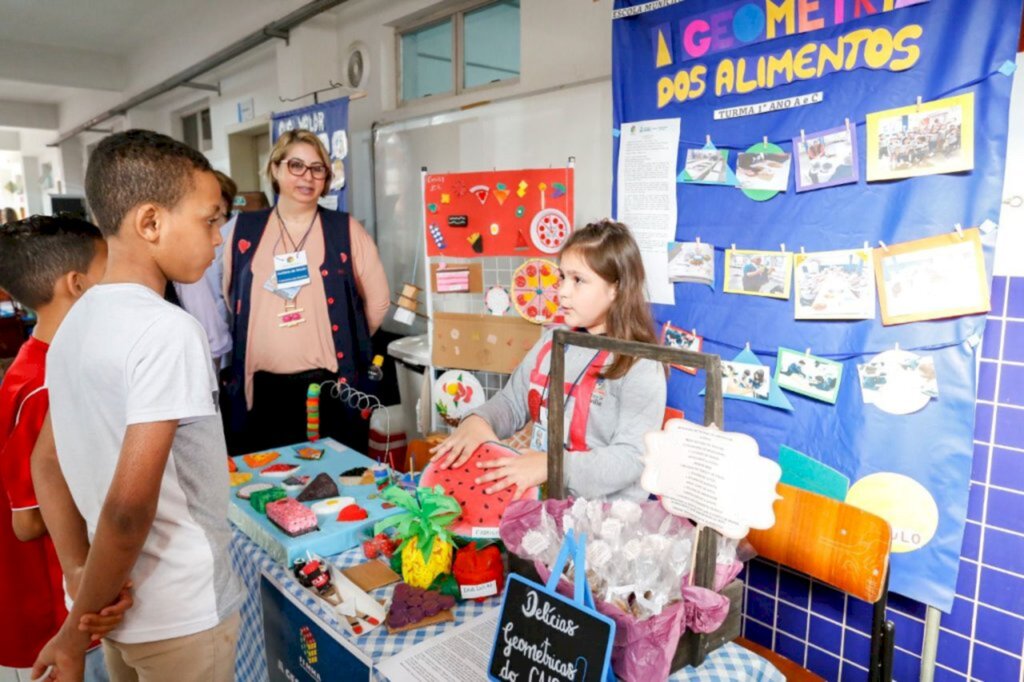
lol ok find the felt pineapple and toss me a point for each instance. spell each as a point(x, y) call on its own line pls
point(426, 548)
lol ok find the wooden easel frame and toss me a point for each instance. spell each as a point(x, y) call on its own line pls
point(693, 647)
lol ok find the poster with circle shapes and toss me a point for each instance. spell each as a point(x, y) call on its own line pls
point(898, 381)
point(903, 502)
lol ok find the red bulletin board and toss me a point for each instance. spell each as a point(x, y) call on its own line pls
point(524, 213)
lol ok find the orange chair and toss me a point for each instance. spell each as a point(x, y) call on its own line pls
point(840, 545)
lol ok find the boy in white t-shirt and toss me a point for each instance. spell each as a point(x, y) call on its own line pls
point(135, 455)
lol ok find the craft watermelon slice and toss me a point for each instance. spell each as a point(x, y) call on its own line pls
point(481, 513)
point(480, 192)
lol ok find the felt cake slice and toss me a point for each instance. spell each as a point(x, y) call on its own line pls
point(291, 516)
point(319, 488)
point(260, 459)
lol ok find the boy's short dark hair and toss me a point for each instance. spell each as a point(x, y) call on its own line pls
point(39, 250)
point(134, 167)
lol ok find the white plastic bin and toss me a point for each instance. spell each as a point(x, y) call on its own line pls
point(412, 356)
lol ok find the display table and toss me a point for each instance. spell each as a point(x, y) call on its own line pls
point(730, 662)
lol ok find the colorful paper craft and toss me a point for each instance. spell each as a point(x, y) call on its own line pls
point(804, 472)
point(452, 280)
point(457, 393)
point(260, 459)
point(481, 192)
point(535, 291)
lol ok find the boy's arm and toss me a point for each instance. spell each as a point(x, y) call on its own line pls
point(28, 524)
point(124, 524)
point(59, 513)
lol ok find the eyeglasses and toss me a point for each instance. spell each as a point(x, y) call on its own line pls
point(298, 168)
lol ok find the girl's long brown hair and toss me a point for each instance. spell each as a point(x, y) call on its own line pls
point(609, 250)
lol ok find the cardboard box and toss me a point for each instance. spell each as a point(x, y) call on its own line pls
point(482, 342)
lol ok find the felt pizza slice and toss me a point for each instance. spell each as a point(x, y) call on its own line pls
point(239, 477)
point(260, 459)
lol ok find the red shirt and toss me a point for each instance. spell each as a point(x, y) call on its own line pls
point(31, 584)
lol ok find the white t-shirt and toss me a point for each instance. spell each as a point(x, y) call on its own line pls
point(125, 356)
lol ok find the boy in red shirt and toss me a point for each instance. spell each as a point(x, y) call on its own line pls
point(45, 264)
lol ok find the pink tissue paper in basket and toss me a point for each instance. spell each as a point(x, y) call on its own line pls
point(643, 649)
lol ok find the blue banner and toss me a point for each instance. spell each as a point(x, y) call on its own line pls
point(742, 73)
point(329, 121)
point(300, 647)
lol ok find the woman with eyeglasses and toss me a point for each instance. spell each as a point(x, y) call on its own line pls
point(307, 290)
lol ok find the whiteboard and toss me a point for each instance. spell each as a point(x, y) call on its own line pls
point(534, 131)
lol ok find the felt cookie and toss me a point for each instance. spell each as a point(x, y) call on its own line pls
point(260, 459)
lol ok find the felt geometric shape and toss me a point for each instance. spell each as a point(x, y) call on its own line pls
point(261, 498)
point(801, 471)
point(319, 488)
point(260, 459)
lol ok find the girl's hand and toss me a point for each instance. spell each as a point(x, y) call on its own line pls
point(525, 471)
point(463, 442)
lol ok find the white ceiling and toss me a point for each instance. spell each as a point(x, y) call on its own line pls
point(38, 93)
point(115, 27)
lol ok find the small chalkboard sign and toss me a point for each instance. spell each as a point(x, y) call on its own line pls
point(545, 637)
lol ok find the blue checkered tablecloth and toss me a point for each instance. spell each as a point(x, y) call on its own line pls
point(730, 662)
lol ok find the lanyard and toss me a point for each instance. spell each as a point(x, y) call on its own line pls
point(284, 232)
point(572, 389)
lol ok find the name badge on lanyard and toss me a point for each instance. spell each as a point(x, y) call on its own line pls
point(291, 270)
point(539, 438)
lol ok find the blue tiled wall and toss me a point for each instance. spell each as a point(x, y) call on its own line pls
point(983, 637)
